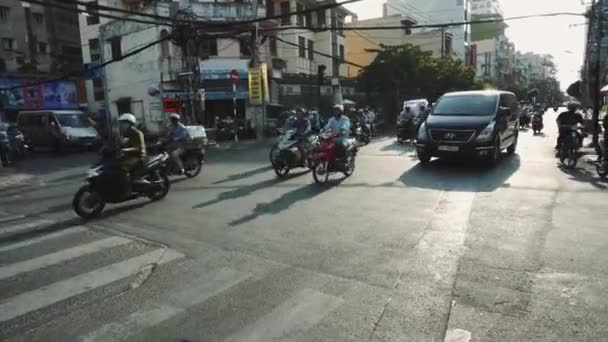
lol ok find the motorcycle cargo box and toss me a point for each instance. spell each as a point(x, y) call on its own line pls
point(197, 134)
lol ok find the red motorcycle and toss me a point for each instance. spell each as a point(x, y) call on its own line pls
point(326, 161)
point(537, 123)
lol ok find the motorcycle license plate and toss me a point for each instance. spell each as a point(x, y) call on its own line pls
point(445, 148)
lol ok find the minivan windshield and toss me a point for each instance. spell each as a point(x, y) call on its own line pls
point(73, 120)
point(467, 104)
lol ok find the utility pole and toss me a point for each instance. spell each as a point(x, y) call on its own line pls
point(597, 22)
point(31, 39)
point(260, 115)
point(443, 41)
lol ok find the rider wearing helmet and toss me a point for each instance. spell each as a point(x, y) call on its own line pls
point(134, 147)
point(568, 118)
point(339, 124)
point(178, 135)
point(302, 126)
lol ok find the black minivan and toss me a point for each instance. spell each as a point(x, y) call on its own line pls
point(473, 123)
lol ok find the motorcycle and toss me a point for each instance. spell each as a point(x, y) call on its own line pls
point(12, 144)
point(107, 183)
point(569, 146)
point(193, 157)
point(361, 133)
point(524, 121)
point(406, 130)
point(601, 165)
point(285, 155)
point(537, 123)
point(325, 159)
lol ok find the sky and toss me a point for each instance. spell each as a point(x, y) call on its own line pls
point(551, 35)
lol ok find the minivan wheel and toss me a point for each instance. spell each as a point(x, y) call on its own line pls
point(495, 157)
point(423, 156)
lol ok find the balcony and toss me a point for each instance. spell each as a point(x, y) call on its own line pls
point(226, 11)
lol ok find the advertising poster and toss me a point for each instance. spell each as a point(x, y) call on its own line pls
point(32, 94)
point(60, 94)
point(11, 98)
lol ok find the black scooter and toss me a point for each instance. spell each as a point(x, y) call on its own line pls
point(107, 183)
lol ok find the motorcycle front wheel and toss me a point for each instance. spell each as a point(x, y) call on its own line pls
point(281, 168)
point(320, 172)
point(602, 169)
point(87, 203)
point(192, 167)
point(350, 166)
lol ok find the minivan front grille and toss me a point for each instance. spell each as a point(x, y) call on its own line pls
point(451, 136)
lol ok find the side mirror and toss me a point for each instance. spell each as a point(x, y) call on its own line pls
point(504, 111)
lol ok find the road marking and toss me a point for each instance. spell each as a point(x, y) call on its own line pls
point(56, 292)
point(295, 316)
point(19, 228)
point(61, 233)
point(60, 256)
point(198, 292)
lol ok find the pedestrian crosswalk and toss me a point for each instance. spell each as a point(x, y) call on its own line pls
point(23, 259)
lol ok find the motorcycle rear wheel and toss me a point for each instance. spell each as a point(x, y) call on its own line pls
point(96, 204)
point(159, 195)
point(192, 167)
point(320, 172)
point(350, 166)
point(569, 158)
point(281, 169)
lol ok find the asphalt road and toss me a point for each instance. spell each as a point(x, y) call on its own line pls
point(397, 252)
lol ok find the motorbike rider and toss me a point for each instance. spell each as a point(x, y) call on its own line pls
point(134, 146)
point(339, 124)
point(178, 135)
point(303, 128)
point(568, 118)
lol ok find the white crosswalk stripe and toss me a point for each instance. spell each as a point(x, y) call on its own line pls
point(61, 256)
point(23, 227)
point(51, 236)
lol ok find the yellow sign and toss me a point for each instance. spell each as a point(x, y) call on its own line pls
point(256, 87)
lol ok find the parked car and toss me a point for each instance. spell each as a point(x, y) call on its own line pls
point(57, 129)
point(475, 123)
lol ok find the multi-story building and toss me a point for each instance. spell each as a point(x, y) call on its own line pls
point(306, 51)
point(496, 60)
point(37, 42)
point(361, 44)
point(456, 38)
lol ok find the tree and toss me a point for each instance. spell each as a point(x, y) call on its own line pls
point(574, 90)
point(405, 72)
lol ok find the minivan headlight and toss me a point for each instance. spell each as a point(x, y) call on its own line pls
point(487, 134)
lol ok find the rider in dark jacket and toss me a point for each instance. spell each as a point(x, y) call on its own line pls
point(568, 118)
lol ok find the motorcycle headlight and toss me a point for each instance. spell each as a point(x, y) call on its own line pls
point(487, 134)
point(422, 134)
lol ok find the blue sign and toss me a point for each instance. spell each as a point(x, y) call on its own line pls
point(93, 71)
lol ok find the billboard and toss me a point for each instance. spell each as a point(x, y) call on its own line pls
point(19, 94)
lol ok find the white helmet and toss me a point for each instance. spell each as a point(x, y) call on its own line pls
point(174, 116)
point(339, 106)
point(129, 118)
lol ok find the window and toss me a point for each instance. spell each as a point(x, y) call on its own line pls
point(4, 13)
point(38, 18)
point(272, 46)
point(164, 45)
point(270, 8)
point(92, 17)
point(474, 105)
point(285, 20)
point(94, 50)
point(340, 25)
point(448, 45)
point(98, 93)
point(42, 48)
point(460, 3)
point(2, 65)
point(302, 47)
point(308, 19)
point(244, 47)
point(300, 17)
point(9, 44)
point(321, 18)
point(208, 48)
point(311, 48)
point(341, 53)
point(115, 45)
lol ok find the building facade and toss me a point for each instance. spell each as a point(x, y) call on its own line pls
point(457, 38)
point(361, 44)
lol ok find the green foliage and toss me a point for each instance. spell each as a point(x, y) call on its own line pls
point(406, 72)
point(574, 89)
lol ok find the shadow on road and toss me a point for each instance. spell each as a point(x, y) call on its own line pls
point(456, 175)
point(240, 191)
point(399, 147)
point(285, 201)
point(244, 175)
point(586, 176)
